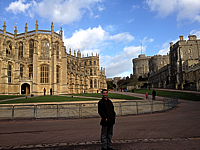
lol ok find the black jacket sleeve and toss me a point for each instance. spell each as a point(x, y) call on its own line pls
point(101, 110)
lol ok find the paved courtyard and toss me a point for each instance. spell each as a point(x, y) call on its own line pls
point(175, 129)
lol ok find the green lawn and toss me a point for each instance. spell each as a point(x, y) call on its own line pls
point(179, 95)
point(110, 95)
point(47, 98)
point(2, 97)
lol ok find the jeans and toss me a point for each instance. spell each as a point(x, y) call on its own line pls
point(106, 136)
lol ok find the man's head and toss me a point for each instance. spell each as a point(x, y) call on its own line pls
point(104, 93)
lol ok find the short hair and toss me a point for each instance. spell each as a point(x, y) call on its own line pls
point(104, 90)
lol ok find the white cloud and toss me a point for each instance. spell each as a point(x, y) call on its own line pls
point(185, 9)
point(166, 47)
point(135, 7)
point(93, 40)
point(86, 39)
point(121, 64)
point(125, 37)
point(163, 51)
point(101, 8)
point(146, 40)
point(18, 6)
point(195, 32)
point(61, 11)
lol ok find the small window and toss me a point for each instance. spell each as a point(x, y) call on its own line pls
point(30, 71)
point(9, 72)
point(57, 73)
point(44, 48)
point(44, 74)
point(95, 83)
point(94, 62)
point(20, 50)
point(91, 72)
point(21, 70)
point(31, 47)
point(57, 50)
point(90, 83)
point(9, 49)
point(90, 62)
point(95, 72)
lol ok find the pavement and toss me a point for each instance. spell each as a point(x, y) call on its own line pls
point(172, 130)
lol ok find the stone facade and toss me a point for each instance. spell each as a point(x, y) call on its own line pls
point(160, 79)
point(157, 62)
point(141, 66)
point(183, 71)
point(180, 53)
point(34, 60)
point(192, 75)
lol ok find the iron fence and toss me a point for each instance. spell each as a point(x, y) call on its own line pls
point(83, 110)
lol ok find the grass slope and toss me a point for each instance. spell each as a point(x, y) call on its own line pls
point(110, 95)
point(47, 98)
point(179, 95)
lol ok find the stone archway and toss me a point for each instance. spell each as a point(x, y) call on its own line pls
point(25, 88)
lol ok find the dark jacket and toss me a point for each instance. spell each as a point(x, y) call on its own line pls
point(106, 110)
point(154, 93)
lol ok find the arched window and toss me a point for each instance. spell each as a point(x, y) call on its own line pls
point(9, 73)
point(57, 74)
point(30, 71)
point(20, 50)
point(95, 83)
point(44, 48)
point(90, 83)
point(9, 48)
point(21, 70)
point(90, 62)
point(95, 72)
point(44, 74)
point(57, 50)
point(31, 48)
point(91, 72)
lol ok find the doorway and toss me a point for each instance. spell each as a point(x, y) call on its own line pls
point(25, 88)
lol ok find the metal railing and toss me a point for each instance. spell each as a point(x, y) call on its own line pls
point(83, 110)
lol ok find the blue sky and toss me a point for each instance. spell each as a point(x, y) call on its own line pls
point(114, 29)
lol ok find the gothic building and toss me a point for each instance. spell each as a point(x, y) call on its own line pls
point(37, 59)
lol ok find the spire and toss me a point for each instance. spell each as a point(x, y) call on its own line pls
point(61, 33)
point(15, 31)
point(26, 29)
point(36, 27)
point(52, 28)
point(4, 28)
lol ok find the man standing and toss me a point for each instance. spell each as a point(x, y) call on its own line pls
point(153, 95)
point(107, 113)
point(44, 91)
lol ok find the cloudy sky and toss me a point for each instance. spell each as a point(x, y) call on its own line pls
point(114, 29)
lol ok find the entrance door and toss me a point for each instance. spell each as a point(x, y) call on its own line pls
point(25, 88)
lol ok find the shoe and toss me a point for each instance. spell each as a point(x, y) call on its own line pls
point(110, 148)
